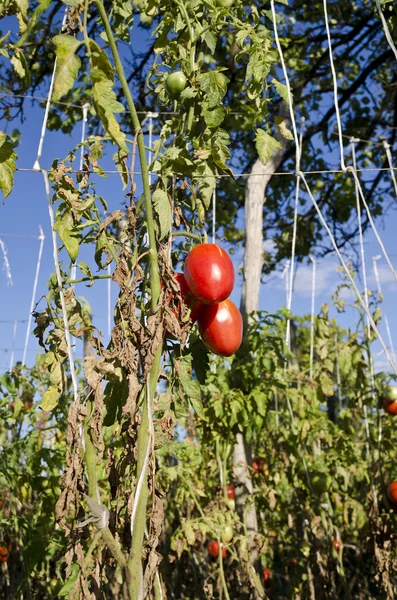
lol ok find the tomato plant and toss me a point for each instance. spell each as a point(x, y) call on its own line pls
point(209, 273)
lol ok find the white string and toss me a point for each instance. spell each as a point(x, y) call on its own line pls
point(388, 331)
point(14, 335)
point(150, 116)
point(59, 280)
point(36, 165)
point(390, 161)
point(284, 275)
point(293, 245)
point(36, 279)
point(6, 264)
point(361, 239)
point(312, 316)
point(213, 214)
point(143, 473)
point(364, 275)
point(386, 28)
point(225, 175)
point(334, 79)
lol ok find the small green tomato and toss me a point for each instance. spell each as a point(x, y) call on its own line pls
point(175, 83)
point(227, 534)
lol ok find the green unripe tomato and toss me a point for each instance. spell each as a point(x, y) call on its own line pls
point(227, 534)
point(175, 83)
point(224, 3)
point(321, 482)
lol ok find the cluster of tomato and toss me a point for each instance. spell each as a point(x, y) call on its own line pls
point(206, 284)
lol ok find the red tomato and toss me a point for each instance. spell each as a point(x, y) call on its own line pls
point(392, 491)
point(221, 327)
point(3, 554)
point(213, 549)
point(209, 273)
point(194, 304)
point(267, 574)
point(390, 406)
point(336, 545)
point(230, 492)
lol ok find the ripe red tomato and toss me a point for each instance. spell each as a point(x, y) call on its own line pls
point(390, 406)
point(267, 574)
point(336, 544)
point(213, 549)
point(209, 273)
point(175, 83)
point(192, 302)
point(221, 327)
point(392, 491)
point(3, 554)
point(230, 492)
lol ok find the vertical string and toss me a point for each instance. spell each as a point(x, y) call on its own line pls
point(36, 279)
point(14, 335)
point(386, 28)
point(6, 264)
point(388, 331)
point(312, 316)
point(36, 165)
point(61, 295)
point(386, 146)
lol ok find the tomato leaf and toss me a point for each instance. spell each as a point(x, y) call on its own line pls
point(213, 116)
point(7, 164)
point(120, 158)
point(282, 90)
point(50, 399)
point(68, 64)
point(21, 68)
point(266, 145)
point(162, 207)
point(283, 129)
point(70, 582)
point(214, 85)
point(69, 236)
point(103, 95)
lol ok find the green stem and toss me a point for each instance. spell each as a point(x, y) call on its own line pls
point(91, 465)
point(81, 279)
point(134, 561)
point(154, 268)
point(187, 234)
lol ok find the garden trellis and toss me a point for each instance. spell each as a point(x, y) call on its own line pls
point(142, 464)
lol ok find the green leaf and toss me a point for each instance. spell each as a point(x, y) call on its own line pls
point(21, 68)
point(206, 184)
point(103, 95)
point(68, 234)
point(120, 159)
point(214, 85)
point(68, 64)
point(282, 90)
point(214, 116)
point(70, 582)
point(50, 399)
point(7, 164)
point(162, 207)
point(266, 145)
point(327, 386)
point(210, 39)
point(283, 129)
